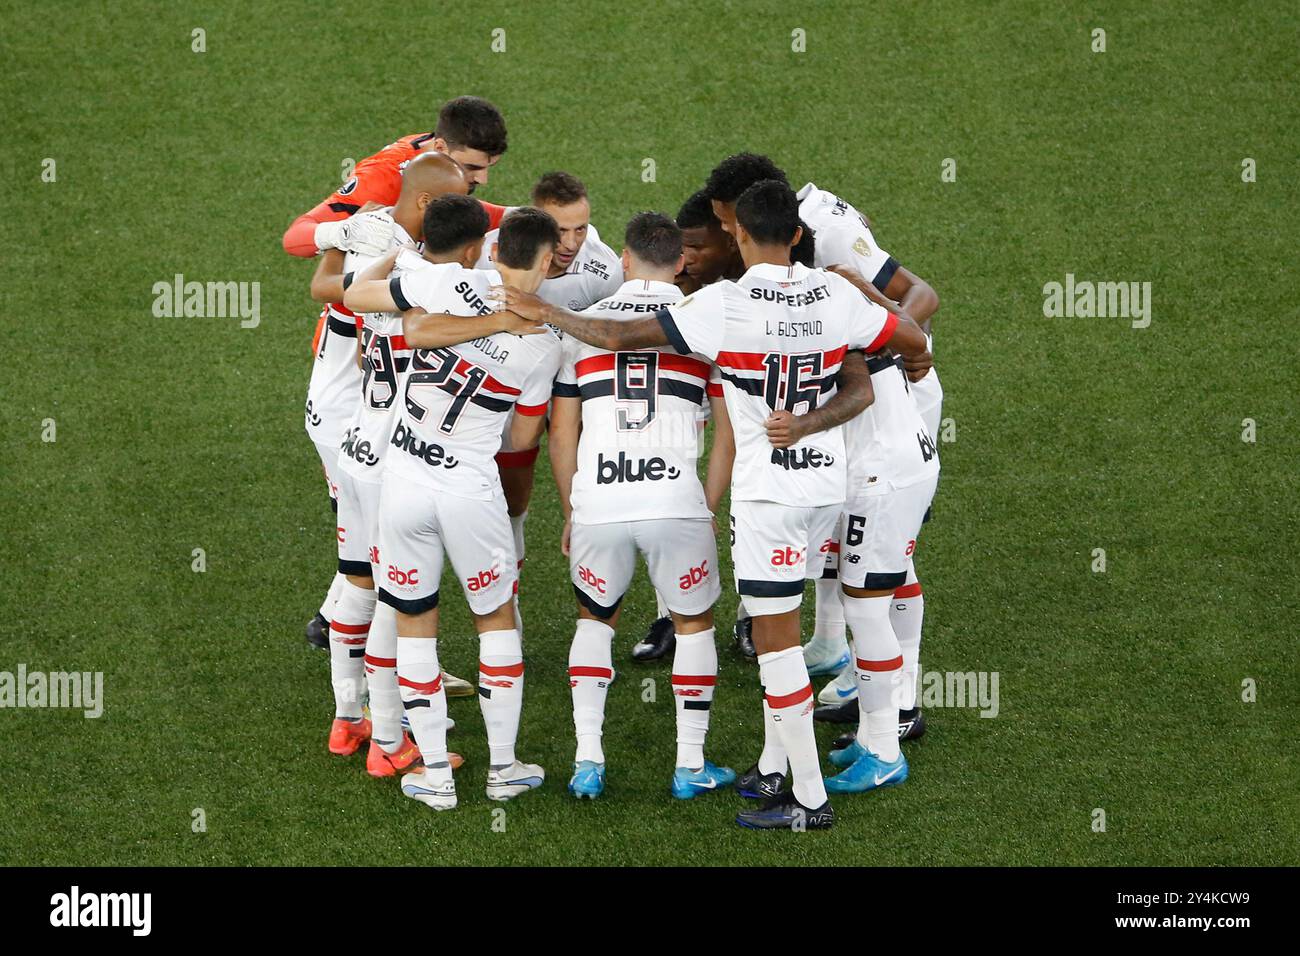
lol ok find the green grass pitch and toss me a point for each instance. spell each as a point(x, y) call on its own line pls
point(1119, 690)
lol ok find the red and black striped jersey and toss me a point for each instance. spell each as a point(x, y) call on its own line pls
point(639, 444)
point(455, 400)
point(778, 336)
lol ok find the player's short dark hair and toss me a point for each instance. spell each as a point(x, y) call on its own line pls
point(769, 212)
point(471, 122)
point(525, 232)
point(654, 239)
point(453, 220)
point(804, 251)
point(697, 212)
point(735, 174)
point(559, 188)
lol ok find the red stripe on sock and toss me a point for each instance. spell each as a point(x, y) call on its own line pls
point(789, 700)
point(909, 590)
point(877, 666)
point(701, 680)
point(350, 628)
point(590, 672)
point(381, 661)
point(428, 687)
point(509, 670)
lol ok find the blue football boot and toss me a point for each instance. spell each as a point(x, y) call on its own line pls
point(868, 772)
point(689, 783)
point(588, 779)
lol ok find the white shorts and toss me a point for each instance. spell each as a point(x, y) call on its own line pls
point(775, 548)
point(418, 525)
point(329, 461)
point(877, 536)
point(681, 555)
point(358, 524)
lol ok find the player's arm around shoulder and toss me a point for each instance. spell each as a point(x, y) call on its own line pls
point(888, 326)
point(611, 334)
point(852, 396)
point(327, 281)
point(370, 288)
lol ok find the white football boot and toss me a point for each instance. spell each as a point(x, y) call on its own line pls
point(504, 783)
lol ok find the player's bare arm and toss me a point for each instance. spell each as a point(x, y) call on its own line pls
point(526, 430)
point(610, 334)
point(327, 281)
point(437, 330)
point(910, 342)
point(369, 290)
point(853, 394)
point(562, 445)
point(914, 295)
point(722, 457)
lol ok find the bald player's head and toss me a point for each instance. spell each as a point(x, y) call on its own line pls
point(427, 176)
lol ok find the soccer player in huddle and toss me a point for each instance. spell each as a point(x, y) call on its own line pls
point(582, 272)
point(844, 242)
point(623, 450)
point(708, 254)
point(362, 631)
point(471, 131)
point(441, 495)
point(783, 338)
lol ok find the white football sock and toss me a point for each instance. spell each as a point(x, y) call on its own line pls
point(381, 676)
point(906, 613)
point(501, 692)
point(695, 674)
point(790, 695)
point(661, 609)
point(348, 630)
point(591, 669)
point(879, 667)
point(773, 758)
point(419, 675)
point(828, 626)
point(332, 596)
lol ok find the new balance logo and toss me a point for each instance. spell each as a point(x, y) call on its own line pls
point(797, 459)
point(623, 468)
point(431, 454)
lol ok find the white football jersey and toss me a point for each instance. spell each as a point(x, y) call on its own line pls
point(843, 238)
point(455, 399)
point(638, 449)
point(385, 356)
point(595, 272)
point(888, 445)
point(335, 379)
point(778, 336)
